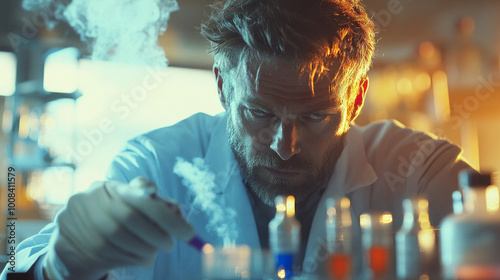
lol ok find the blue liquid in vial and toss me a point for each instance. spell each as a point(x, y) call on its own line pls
point(284, 262)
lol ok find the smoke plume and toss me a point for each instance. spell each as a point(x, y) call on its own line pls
point(117, 30)
point(200, 181)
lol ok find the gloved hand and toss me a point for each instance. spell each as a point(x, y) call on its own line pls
point(112, 225)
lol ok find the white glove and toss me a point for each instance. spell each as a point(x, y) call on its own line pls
point(112, 225)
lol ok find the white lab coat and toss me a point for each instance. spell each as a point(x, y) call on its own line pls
point(381, 165)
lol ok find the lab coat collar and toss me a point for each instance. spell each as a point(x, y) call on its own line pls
point(352, 172)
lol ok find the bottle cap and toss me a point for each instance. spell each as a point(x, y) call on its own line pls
point(470, 178)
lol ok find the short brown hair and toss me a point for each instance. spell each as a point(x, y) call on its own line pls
point(323, 37)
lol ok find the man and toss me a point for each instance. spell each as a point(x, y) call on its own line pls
point(292, 76)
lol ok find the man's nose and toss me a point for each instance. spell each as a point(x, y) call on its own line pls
point(286, 140)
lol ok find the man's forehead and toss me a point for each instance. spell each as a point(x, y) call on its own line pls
point(311, 105)
point(284, 79)
point(281, 71)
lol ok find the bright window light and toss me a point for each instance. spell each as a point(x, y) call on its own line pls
point(7, 73)
point(121, 101)
point(61, 71)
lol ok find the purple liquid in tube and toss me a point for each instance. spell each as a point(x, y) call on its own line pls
point(197, 243)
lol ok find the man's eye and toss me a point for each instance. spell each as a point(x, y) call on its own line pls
point(257, 113)
point(315, 117)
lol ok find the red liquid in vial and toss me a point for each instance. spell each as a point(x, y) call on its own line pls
point(339, 266)
point(379, 259)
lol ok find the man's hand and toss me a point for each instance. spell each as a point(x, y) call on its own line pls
point(112, 225)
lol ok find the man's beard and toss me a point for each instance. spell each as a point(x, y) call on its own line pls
point(267, 187)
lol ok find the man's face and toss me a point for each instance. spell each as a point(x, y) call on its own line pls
point(286, 139)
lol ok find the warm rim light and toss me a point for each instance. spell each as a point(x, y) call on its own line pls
point(290, 206)
point(281, 274)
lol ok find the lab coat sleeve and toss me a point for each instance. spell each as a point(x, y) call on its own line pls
point(438, 177)
point(135, 160)
point(153, 155)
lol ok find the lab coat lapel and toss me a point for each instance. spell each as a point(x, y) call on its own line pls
point(236, 197)
point(352, 172)
point(232, 192)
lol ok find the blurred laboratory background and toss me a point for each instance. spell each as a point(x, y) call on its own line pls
point(63, 116)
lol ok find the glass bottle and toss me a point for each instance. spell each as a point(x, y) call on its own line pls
point(339, 238)
point(377, 241)
point(415, 241)
point(284, 236)
point(470, 241)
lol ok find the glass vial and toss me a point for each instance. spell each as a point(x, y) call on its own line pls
point(284, 236)
point(339, 238)
point(377, 241)
point(415, 241)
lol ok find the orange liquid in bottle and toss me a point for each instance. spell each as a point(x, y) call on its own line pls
point(379, 259)
point(339, 266)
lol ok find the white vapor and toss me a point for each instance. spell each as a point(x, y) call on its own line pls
point(200, 181)
point(118, 30)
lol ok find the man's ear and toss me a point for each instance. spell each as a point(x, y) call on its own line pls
point(218, 79)
point(360, 98)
